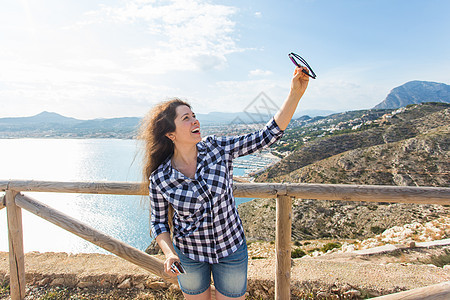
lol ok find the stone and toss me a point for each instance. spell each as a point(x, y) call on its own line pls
point(156, 285)
point(126, 284)
point(335, 290)
point(104, 283)
point(57, 282)
point(322, 294)
point(174, 288)
point(85, 284)
point(346, 287)
point(153, 248)
point(352, 294)
point(140, 286)
point(265, 287)
point(44, 281)
point(259, 294)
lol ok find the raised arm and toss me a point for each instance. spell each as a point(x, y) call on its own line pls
point(298, 87)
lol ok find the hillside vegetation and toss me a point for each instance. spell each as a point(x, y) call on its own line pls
point(410, 147)
point(406, 147)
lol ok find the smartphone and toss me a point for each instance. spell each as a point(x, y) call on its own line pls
point(176, 266)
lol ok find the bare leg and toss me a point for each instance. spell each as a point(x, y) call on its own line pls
point(206, 295)
point(219, 296)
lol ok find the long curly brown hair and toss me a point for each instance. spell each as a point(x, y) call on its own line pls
point(159, 121)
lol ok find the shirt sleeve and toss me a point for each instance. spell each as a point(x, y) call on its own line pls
point(159, 208)
point(247, 144)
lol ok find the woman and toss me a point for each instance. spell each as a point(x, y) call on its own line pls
point(190, 183)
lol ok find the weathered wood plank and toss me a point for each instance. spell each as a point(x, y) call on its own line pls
point(98, 187)
point(283, 248)
point(16, 255)
point(440, 291)
point(346, 192)
point(90, 234)
point(374, 193)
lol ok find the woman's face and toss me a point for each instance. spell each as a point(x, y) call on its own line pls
point(187, 127)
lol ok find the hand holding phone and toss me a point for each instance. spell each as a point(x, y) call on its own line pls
point(177, 267)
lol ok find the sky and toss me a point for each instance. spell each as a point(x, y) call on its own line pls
point(105, 58)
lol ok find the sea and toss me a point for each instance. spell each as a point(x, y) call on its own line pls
point(123, 217)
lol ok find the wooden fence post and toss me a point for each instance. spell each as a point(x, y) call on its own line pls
point(16, 256)
point(283, 248)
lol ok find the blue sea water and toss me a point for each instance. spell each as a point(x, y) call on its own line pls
point(123, 217)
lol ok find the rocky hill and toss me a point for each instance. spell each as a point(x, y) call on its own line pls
point(415, 92)
point(397, 139)
point(312, 219)
point(408, 147)
point(419, 161)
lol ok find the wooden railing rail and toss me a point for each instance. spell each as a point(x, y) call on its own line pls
point(343, 192)
point(284, 192)
point(96, 237)
point(440, 291)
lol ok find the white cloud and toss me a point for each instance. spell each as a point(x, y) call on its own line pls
point(112, 58)
point(237, 95)
point(259, 72)
point(183, 34)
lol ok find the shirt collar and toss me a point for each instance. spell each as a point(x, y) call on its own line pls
point(167, 164)
point(201, 147)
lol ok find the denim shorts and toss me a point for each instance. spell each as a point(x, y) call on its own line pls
point(229, 275)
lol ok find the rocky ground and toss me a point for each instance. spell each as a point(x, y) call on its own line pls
point(330, 276)
point(400, 258)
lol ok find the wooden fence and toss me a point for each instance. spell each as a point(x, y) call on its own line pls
point(14, 201)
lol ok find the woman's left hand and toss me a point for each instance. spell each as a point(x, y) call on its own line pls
point(170, 259)
point(299, 81)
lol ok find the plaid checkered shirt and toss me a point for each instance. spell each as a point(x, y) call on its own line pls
point(206, 223)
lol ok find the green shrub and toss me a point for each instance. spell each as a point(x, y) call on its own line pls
point(4, 288)
point(297, 253)
point(377, 229)
point(312, 250)
point(330, 246)
point(297, 243)
point(439, 260)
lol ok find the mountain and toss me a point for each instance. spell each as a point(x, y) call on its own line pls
point(409, 146)
point(242, 117)
point(50, 124)
point(415, 92)
point(404, 147)
point(43, 117)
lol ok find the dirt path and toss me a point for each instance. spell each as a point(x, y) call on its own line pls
point(326, 275)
